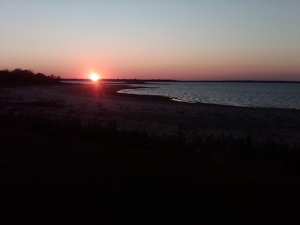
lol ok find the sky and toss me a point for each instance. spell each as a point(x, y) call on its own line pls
point(153, 39)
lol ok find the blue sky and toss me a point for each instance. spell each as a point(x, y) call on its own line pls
point(198, 40)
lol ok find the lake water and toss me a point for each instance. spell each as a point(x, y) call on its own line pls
point(267, 95)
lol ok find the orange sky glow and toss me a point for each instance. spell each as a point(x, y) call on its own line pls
point(220, 40)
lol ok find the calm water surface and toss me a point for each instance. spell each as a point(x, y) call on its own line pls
point(270, 95)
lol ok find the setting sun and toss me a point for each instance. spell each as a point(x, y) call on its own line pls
point(94, 77)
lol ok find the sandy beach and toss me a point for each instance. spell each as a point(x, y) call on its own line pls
point(100, 103)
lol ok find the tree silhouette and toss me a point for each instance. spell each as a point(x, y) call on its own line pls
point(25, 77)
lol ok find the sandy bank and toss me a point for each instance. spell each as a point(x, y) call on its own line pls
point(100, 103)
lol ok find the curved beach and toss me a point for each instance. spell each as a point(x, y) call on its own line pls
point(100, 103)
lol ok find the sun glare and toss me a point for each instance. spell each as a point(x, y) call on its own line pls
point(94, 77)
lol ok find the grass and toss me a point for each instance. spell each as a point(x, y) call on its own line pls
point(225, 148)
point(62, 171)
point(48, 180)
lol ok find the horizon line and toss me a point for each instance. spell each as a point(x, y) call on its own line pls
point(174, 80)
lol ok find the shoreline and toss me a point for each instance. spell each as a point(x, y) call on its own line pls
point(271, 104)
point(128, 85)
point(173, 99)
point(154, 114)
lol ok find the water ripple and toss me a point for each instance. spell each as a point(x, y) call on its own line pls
point(270, 95)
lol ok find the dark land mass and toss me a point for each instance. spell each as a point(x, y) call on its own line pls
point(62, 172)
point(60, 180)
point(126, 81)
point(143, 81)
point(19, 77)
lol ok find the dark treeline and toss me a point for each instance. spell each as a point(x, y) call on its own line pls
point(129, 81)
point(25, 77)
point(227, 148)
point(141, 81)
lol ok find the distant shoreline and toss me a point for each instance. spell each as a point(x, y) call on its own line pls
point(141, 81)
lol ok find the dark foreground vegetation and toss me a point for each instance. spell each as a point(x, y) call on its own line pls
point(63, 171)
point(225, 148)
point(19, 77)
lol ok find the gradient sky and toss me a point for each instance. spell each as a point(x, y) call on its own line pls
point(186, 39)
